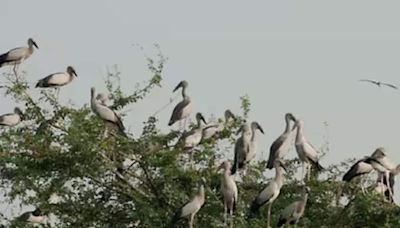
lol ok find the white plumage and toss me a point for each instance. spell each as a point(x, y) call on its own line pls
point(280, 147)
point(191, 208)
point(184, 108)
point(229, 190)
point(271, 191)
point(17, 55)
point(104, 112)
point(253, 142)
point(306, 152)
point(193, 137)
point(58, 79)
point(242, 148)
point(211, 130)
point(33, 217)
point(11, 119)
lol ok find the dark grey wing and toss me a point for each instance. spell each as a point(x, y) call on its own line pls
point(236, 161)
point(273, 150)
point(44, 82)
point(353, 171)
point(25, 216)
point(177, 112)
point(120, 125)
point(390, 85)
point(367, 80)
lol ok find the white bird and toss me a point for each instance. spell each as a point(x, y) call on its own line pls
point(17, 55)
point(184, 108)
point(102, 98)
point(306, 151)
point(253, 142)
point(33, 217)
point(270, 192)
point(385, 188)
point(242, 147)
point(211, 130)
point(280, 147)
point(192, 138)
point(105, 113)
point(57, 79)
point(12, 119)
point(190, 209)
point(229, 190)
point(292, 213)
point(382, 164)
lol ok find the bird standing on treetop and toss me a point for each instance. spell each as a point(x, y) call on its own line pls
point(17, 55)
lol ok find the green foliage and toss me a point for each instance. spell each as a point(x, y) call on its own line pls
point(113, 181)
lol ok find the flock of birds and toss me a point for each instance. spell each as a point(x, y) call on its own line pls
point(245, 149)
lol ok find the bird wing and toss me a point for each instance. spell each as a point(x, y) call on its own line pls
point(52, 79)
point(274, 149)
point(106, 113)
point(289, 211)
point(177, 112)
point(359, 168)
point(16, 54)
point(267, 194)
point(189, 208)
point(9, 119)
point(390, 85)
point(367, 80)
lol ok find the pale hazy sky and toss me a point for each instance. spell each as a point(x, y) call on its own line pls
point(304, 57)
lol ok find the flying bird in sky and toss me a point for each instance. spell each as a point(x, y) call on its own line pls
point(378, 83)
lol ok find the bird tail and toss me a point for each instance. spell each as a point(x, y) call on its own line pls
point(121, 127)
point(348, 177)
point(40, 83)
point(3, 59)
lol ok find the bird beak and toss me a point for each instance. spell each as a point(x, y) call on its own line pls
point(283, 167)
point(260, 128)
point(202, 118)
point(34, 44)
point(177, 87)
point(73, 71)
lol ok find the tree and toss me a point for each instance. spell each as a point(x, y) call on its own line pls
point(107, 180)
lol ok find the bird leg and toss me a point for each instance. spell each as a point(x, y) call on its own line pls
point(388, 185)
point(225, 213)
point(308, 172)
point(302, 173)
point(191, 220)
point(269, 215)
point(231, 213)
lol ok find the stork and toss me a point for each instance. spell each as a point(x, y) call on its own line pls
point(280, 147)
point(242, 147)
point(361, 167)
point(382, 164)
point(306, 151)
point(229, 191)
point(102, 98)
point(33, 217)
point(193, 137)
point(292, 213)
point(270, 192)
point(211, 130)
point(105, 113)
point(184, 108)
point(57, 79)
point(385, 188)
point(191, 208)
point(253, 142)
point(17, 55)
point(12, 119)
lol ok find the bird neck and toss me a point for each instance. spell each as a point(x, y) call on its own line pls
point(287, 128)
point(184, 95)
point(253, 133)
point(279, 176)
point(299, 135)
point(305, 198)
